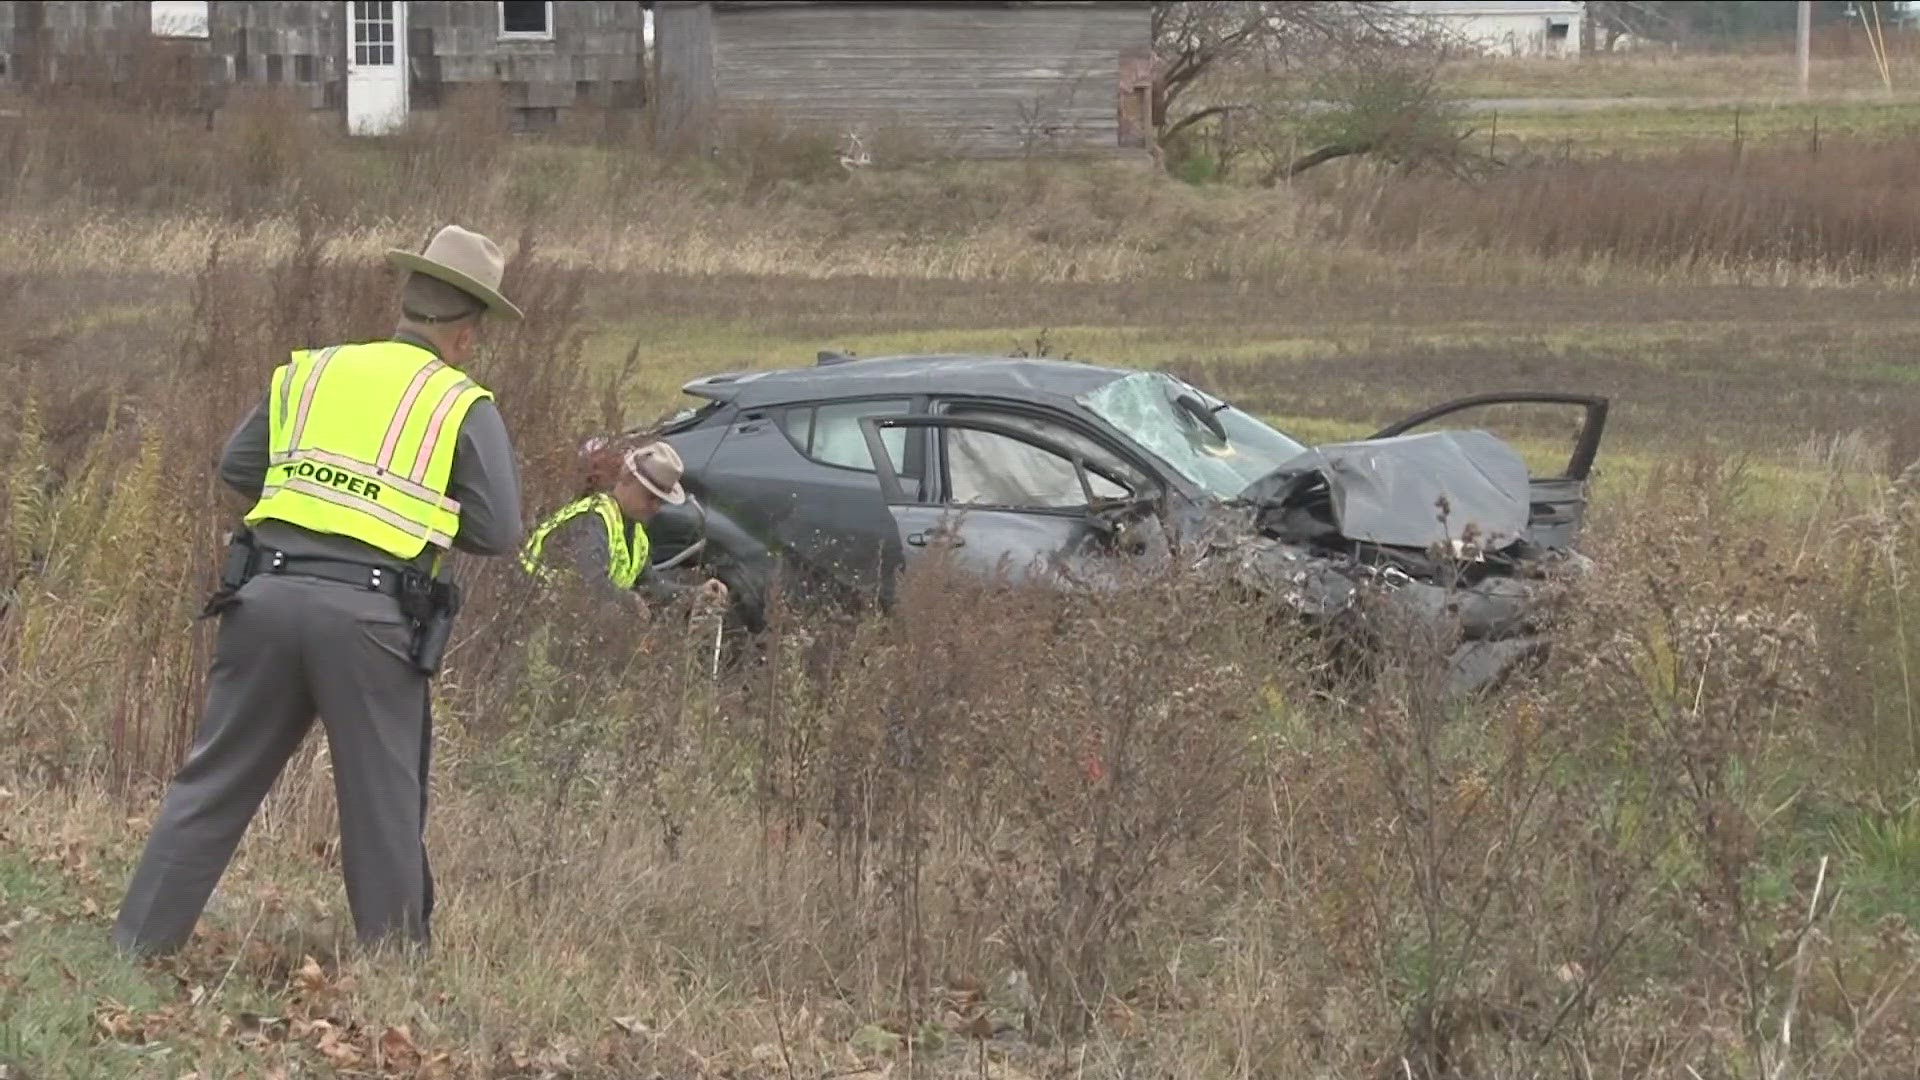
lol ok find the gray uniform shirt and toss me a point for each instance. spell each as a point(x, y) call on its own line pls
point(484, 480)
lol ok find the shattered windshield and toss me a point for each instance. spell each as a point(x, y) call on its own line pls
point(1142, 407)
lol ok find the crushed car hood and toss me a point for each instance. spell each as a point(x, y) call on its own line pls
point(1387, 492)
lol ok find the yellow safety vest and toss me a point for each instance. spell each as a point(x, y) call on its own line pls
point(361, 439)
point(624, 562)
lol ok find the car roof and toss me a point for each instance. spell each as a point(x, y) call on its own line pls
point(939, 373)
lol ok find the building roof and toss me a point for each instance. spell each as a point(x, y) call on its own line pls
point(733, 4)
point(1494, 7)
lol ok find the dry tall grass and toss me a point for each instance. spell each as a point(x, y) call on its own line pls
point(1842, 211)
point(1773, 212)
point(992, 832)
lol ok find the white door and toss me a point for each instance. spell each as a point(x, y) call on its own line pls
point(376, 66)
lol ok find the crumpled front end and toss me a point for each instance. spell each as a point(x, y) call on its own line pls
point(1488, 626)
point(1415, 542)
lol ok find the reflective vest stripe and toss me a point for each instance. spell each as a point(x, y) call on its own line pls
point(624, 561)
point(357, 404)
point(286, 394)
point(371, 509)
point(372, 472)
point(306, 393)
point(432, 438)
point(405, 410)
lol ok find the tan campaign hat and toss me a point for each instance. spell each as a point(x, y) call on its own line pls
point(657, 466)
point(465, 260)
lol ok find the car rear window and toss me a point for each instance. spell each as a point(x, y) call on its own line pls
point(830, 434)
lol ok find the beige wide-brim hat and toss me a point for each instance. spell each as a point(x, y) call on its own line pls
point(657, 467)
point(465, 260)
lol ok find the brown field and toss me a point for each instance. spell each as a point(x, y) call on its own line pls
point(1689, 847)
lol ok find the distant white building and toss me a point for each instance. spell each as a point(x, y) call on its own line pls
point(1506, 27)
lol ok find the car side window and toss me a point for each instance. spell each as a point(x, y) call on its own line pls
point(985, 468)
point(1096, 455)
point(831, 435)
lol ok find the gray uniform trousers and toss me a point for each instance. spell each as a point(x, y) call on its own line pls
point(294, 647)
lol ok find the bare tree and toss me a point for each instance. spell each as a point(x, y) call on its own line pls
point(1196, 39)
point(1389, 108)
point(1611, 19)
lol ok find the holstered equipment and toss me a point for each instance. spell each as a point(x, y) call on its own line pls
point(238, 565)
point(428, 604)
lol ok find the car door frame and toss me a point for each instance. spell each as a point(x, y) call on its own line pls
point(1557, 505)
point(1128, 455)
point(1586, 447)
point(918, 404)
point(938, 494)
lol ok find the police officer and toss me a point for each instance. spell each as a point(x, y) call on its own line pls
point(601, 537)
point(366, 463)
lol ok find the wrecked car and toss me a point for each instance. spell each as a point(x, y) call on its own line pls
point(829, 479)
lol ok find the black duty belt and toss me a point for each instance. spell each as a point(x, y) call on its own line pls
point(371, 577)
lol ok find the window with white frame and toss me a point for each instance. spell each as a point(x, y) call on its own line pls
point(526, 20)
point(178, 18)
point(376, 30)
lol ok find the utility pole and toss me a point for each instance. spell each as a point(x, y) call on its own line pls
point(1805, 56)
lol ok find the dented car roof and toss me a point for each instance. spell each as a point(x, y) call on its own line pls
point(1058, 380)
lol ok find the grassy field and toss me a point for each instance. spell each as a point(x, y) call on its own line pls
point(1652, 75)
point(1118, 839)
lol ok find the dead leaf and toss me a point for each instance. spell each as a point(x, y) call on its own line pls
point(89, 908)
point(196, 996)
point(116, 1024)
point(397, 1050)
point(632, 1025)
point(980, 1027)
point(338, 1052)
point(310, 978)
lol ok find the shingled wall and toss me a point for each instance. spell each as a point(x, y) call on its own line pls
point(981, 78)
point(594, 60)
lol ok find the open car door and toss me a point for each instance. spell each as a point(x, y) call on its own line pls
point(1001, 499)
point(1558, 499)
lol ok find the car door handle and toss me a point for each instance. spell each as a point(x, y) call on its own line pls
point(922, 539)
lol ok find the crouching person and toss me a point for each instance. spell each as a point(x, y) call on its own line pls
point(601, 537)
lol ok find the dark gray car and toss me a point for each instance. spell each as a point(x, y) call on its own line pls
point(828, 479)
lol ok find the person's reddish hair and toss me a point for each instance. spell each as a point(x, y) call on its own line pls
point(601, 460)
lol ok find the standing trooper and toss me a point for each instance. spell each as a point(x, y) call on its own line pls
point(367, 462)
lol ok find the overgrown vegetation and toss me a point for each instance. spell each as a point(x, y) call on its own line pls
point(998, 832)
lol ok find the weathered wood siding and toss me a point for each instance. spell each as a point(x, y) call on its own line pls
point(596, 56)
point(981, 79)
point(288, 42)
point(70, 40)
point(295, 45)
point(684, 93)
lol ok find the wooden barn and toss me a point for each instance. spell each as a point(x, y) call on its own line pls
point(374, 61)
point(982, 79)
